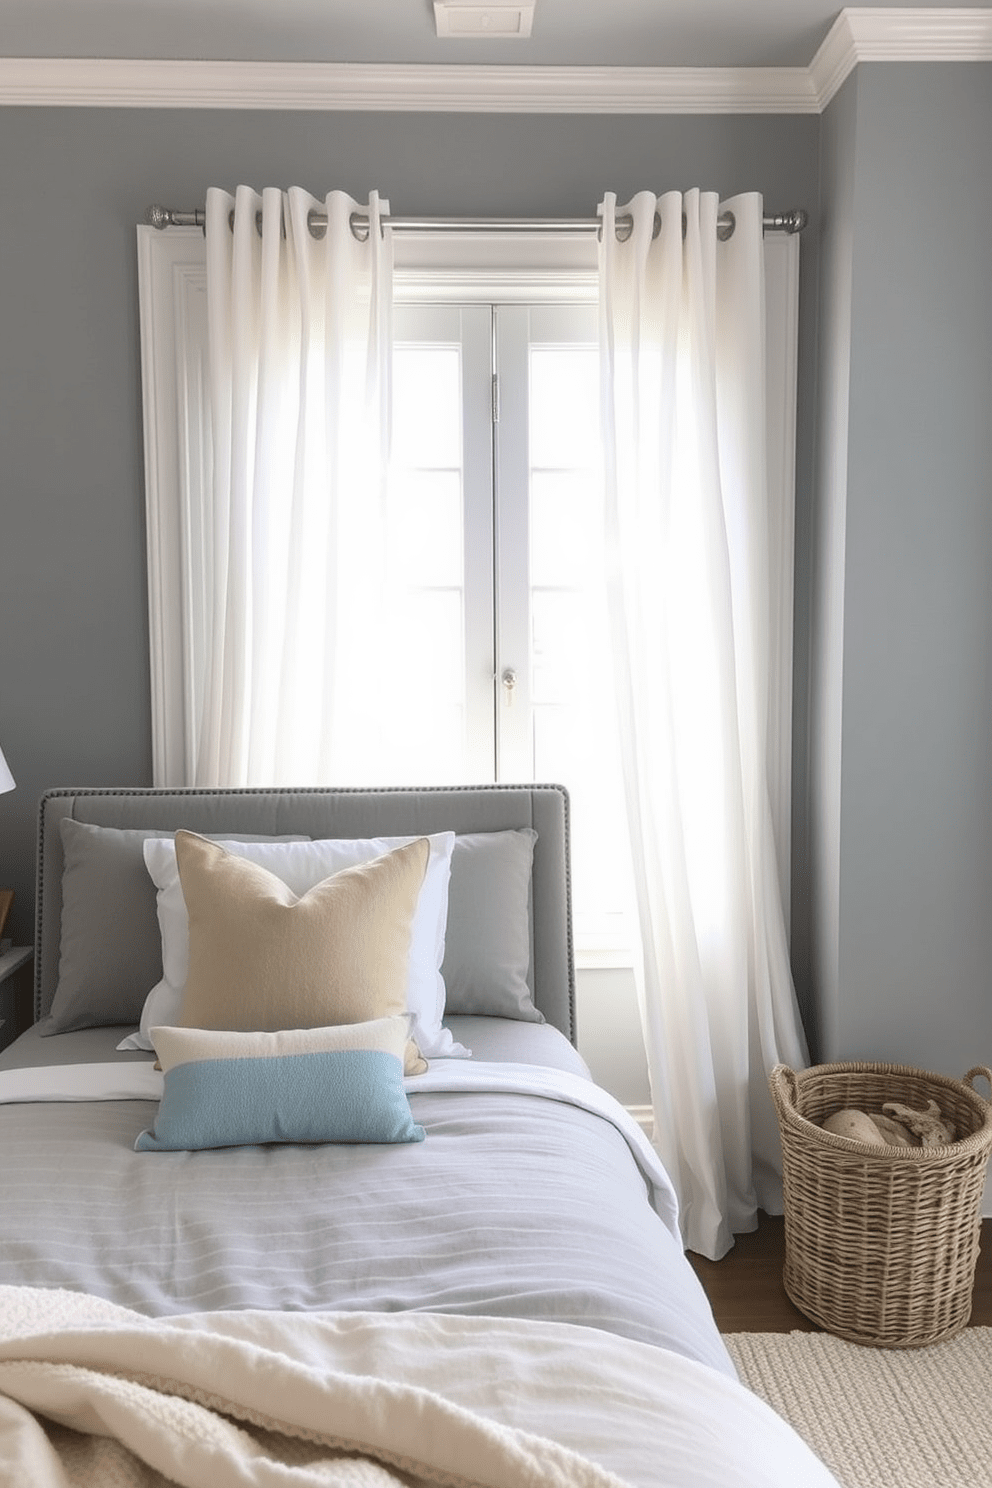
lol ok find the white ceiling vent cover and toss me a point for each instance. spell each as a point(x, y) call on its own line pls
point(501, 19)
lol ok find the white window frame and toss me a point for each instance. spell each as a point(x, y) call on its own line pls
point(440, 268)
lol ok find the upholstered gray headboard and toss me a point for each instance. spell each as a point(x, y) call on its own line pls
point(333, 813)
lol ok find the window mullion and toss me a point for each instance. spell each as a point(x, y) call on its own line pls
point(514, 734)
point(477, 475)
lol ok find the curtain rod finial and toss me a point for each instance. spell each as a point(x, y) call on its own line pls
point(159, 217)
point(794, 221)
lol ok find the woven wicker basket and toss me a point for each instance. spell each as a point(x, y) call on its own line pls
point(881, 1242)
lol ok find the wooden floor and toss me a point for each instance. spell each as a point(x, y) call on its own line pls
point(746, 1293)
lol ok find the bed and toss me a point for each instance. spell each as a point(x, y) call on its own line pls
point(458, 1262)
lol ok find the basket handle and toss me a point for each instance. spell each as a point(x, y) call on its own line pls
point(785, 1085)
point(980, 1069)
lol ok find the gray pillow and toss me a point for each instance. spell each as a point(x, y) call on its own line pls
point(110, 952)
point(487, 950)
point(111, 949)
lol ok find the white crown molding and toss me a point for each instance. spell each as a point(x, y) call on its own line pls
point(314, 86)
point(871, 34)
point(835, 60)
point(857, 35)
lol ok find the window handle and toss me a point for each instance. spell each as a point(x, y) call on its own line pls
point(508, 677)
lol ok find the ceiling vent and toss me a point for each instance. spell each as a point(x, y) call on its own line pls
point(502, 20)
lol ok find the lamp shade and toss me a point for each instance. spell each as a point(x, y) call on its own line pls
point(6, 779)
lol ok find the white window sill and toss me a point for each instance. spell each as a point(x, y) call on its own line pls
point(604, 958)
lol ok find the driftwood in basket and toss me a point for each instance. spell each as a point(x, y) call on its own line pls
point(894, 1126)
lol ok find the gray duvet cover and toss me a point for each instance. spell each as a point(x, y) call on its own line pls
point(514, 1206)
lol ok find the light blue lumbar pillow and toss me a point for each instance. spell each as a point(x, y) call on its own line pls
point(341, 1084)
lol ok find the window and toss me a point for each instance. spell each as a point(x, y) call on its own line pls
point(501, 657)
point(501, 661)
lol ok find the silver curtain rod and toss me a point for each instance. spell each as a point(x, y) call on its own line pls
point(787, 222)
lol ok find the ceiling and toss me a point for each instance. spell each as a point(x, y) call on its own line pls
point(614, 33)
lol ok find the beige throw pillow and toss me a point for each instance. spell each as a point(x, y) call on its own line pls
point(260, 959)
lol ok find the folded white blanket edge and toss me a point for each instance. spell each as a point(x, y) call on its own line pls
point(188, 1406)
point(139, 1080)
point(124, 1080)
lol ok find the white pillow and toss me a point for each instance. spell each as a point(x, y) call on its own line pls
point(301, 865)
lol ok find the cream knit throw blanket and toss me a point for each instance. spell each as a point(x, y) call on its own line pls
point(95, 1396)
point(91, 1394)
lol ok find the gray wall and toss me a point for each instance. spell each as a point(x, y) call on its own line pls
point(74, 693)
point(892, 852)
point(829, 514)
point(892, 848)
point(902, 781)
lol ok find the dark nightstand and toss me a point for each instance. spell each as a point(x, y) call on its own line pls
point(15, 971)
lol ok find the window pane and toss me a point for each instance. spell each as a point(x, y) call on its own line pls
point(577, 746)
point(423, 674)
point(574, 730)
point(560, 641)
point(430, 648)
point(427, 406)
point(425, 526)
point(564, 397)
point(426, 681)
point(563, 526)
point(435, 754)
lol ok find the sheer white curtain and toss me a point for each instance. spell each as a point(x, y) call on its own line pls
point(286, 562)
point(682, 328)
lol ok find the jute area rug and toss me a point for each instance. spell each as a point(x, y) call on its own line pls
point(880, 1418)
